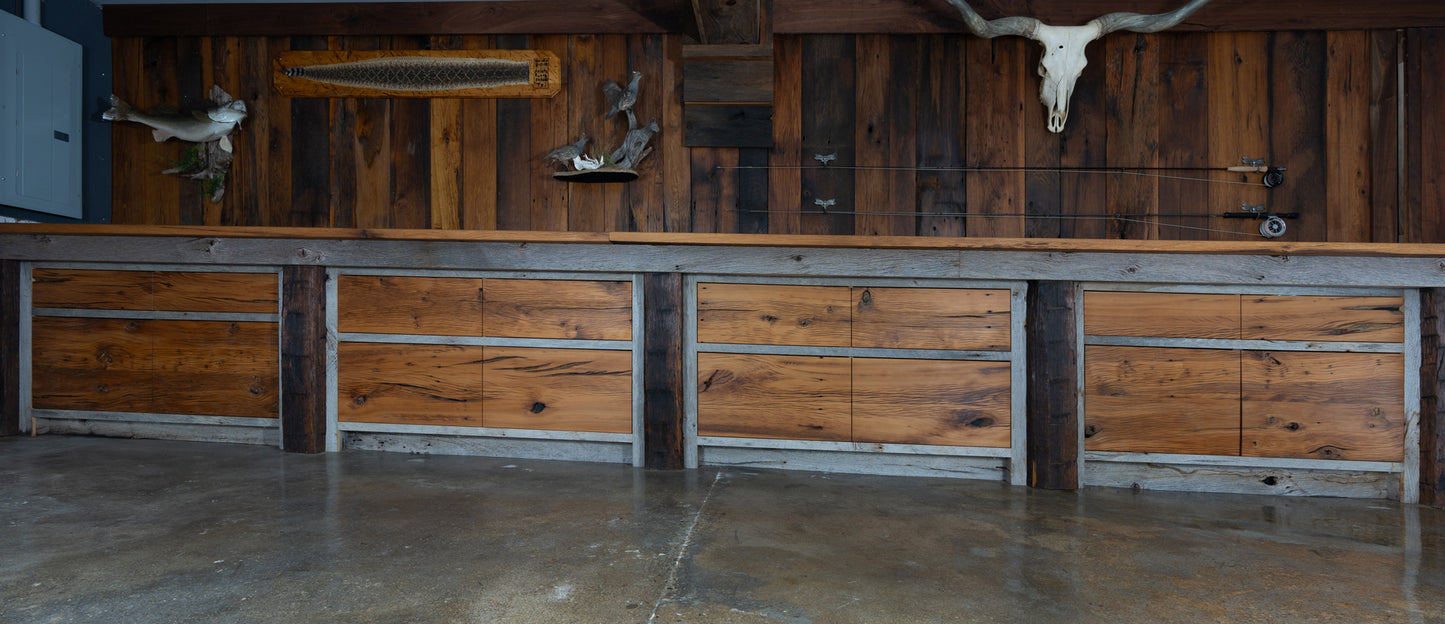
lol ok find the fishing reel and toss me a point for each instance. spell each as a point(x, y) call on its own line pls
point(1270, 225)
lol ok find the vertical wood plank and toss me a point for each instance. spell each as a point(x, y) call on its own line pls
point(551, 127)
point(1385, 139)
point(311, 161)
point(670, 148)
point(1183, 133)
point(341, 205)
point(124, 172)
point(714, 189)
point(940, 135)
point(160, 192)
point(278, 144)
point(1298, 128)
point(10, 347)
point(446, 164)
point(1238, 75)
point(410, 153)
point(1432, 388)
point(785, 180)
point(190, 204)
point(995, 130)
point(752, 206)
point(1429, 129)
point(903, 130)
point(662, 377)
point(1348, 98)
point(615, 197)
point(586, 212)
point(225, 71)
point(1131, 103)
point(478, 199)
point(303, 359)
point(1043, 198)
point(210, 212)
point(1083, 145)
point(1052, 388)
point(514, 152)
point(645, 196)
point(250, 173)
point(827, 96)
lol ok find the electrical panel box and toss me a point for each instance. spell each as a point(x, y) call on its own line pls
point(40, 119)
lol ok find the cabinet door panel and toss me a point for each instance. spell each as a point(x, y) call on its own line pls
point(557, 389)
point(410, 384)
point(445, 306)
point(1341, 319)
point(771, 314)
point(931, 402)
point(91, 364)
point(931, 318)
point(1324, 405)
point(561, 309)
point(81, 288)
point(1161, 400)
point(216, 368)
point(774, 396)
point(1162, 315)
point(192, 291)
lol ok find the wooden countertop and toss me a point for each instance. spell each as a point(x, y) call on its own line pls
point(1051, 245)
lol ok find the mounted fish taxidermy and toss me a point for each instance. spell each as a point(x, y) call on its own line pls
point(620, 164)
point(209, 132)
point(1063, 46)
point(418, 73)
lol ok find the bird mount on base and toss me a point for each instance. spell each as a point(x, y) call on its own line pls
point(620, 164)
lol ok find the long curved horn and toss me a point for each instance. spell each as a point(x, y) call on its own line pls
point(988, 29)
point(1146, 23)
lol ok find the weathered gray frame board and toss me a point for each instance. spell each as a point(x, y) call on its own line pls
point(161, 426)
point(903, 465)
point(564, 450)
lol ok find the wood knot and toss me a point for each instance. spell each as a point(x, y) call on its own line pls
point(1090, 430)
point(1270, 480)
point(1294, 426)
point(538, 407)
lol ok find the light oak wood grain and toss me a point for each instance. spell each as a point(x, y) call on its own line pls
point(215, 292)
point(562, 309)
point(931, 318)
point(91, 289)
point(1323, 405)
point(1161, 400)
point(1165, 315)
point(410, 384)
point(91, 364)
point(215, 368)
point(817, 316)
point(774, 396)
point(931, 402)
point(409, 305)
point(1345, 319)
point(557, 389)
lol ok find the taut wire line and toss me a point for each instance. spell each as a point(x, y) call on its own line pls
point(1138, 173)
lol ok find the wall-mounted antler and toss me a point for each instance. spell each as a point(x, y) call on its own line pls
point(1063, 58)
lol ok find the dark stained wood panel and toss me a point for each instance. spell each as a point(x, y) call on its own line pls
point(828, 96)
point(557, 389)
point(1131, 105)
point(1432, 388)
point(92, 289)
point(305, 359)
point(1051, 389)
point(785, 180)
point(816, 316)
point(940, 136)
point(1297, 79)
point(664, 385)
point(561, 309)
point(1340, 319)
point(1344, 406)
point(774, 396)
point(216, 368)
point(92, 364)
point(1163, 315)
point(995, 129)
point(1161, 400)
point(410, 384)
point(931, 318)
point(722, 22)
point(728, 80)
point(936, 402)
point(446, 306)
point(193, 291)
point(10, 353)
point(728, 125)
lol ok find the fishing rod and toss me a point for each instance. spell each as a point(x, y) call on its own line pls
point(1271, 177)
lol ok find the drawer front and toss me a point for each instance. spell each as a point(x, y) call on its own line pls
point(216, 292)
point(557, 389)
point(558, 309)
point(92, 364)
point(100, 290)
point(409, 384)
point(216, 368)
point(774, 396)
point(1337, 319)
point(774, 315)
point(931, 402)
point(446, 306)
point(931, 318)
point(1161, 400)
point(1162, 315)
point(1323, 405)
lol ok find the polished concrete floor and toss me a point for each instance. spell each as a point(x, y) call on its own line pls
point(100, 530)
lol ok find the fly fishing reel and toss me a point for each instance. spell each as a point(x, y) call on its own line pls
point(1272, 227)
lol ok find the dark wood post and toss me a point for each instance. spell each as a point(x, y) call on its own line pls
point(303, 359)
point(9, 347)
point(1432, 386)
point(1053, 387)
point(662, 382)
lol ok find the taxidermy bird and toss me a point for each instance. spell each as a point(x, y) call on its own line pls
point(567, 152)
point(621, 100)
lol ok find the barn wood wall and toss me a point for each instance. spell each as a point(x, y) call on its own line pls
point(1322, 103)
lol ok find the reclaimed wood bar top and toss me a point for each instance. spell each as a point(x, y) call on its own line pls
point(1044, 245)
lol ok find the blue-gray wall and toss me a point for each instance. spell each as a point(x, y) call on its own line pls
point(79, 21)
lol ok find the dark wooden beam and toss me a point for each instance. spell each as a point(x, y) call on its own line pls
point(1052, 387)
point(9, 347)
point(1432, 387)
point(303, 359)
point(728, 21)
point(662, 380)
point(398, 18)
point(937, 16)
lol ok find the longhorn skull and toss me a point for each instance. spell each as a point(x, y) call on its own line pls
point(1063, 58)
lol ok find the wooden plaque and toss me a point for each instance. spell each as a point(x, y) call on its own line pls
point(931, 318)
point(816, 316)
point(1324, 405)
point(1163, 315)
point(557, 389)
point(774, 396)
point(1161, 400)
point(561, 309)
point(410, 384)
point(1341, 319)
point(417, 73)
point(931, 402)
point(445, 306)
